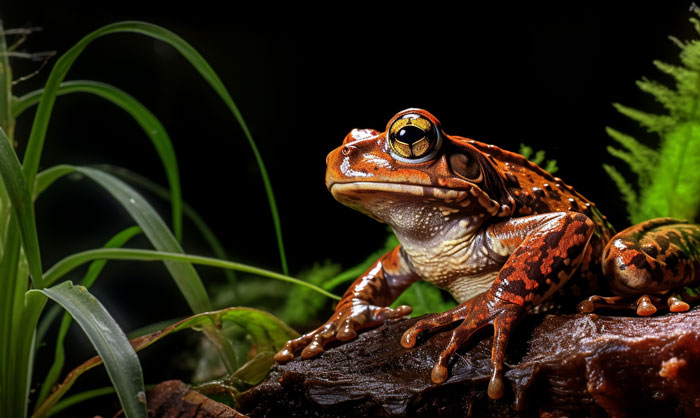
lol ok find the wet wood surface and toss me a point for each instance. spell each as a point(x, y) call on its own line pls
point(557, 365)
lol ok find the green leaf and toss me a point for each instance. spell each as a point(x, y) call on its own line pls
point(628, 193)
point(148, 122)
point(191, 214)
point(653, 123)
point(675, 191)
point(355, 272)
point(302, 304)
point(73, 261)
point(22, 207)
point(113, 347)
point(78, 398)
point(93, 272)
point(424, 298)
point(153, 227)
point(63, 64)
point(667, 97)
point(6, 120)
point(267, 332)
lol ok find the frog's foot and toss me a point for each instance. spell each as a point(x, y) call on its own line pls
point(476, 313)
point(644, 305)
point(676, 300)
point(343, 326)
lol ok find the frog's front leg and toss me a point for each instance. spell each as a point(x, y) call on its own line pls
point(545, 251)
point(364, 305)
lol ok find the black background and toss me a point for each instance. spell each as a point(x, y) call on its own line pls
point(302, 79)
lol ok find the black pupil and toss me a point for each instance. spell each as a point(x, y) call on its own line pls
point(410, 134)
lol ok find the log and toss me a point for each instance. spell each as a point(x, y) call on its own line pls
point(557, 365)
point(174, 399)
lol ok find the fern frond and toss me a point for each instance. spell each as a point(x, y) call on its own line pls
point(696, 23)
point(668, 179)
point(653, 123)
point(525, 150)
point(677, 72)
point(539, 158)
point(640, 169)
point(642, 153)
point(551, 166)
point(675, 191)
point(664, 95)
point(680, 44)
point(689, 55)
point(626, 191)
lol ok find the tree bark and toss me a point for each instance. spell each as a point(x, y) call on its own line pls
point(174, 399)
point(557, 365)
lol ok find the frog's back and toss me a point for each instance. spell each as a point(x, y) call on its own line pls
point(536, 191)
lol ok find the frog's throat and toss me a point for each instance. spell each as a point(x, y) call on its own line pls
point(462, 198)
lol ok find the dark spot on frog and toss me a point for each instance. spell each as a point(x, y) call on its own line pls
point(672, 262)
point(651, 250)
point(376, 168)
point(512, 180)
point(663, 242)
point(573, 205)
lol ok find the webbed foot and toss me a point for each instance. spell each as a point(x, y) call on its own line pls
point(343, 325)
point(476, 313)
point(676, 300)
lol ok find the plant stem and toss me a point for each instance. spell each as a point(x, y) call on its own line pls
point(7, 122)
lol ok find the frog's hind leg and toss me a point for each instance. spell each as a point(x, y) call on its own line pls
point(649, 266)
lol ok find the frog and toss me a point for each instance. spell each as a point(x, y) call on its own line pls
point(499, 233)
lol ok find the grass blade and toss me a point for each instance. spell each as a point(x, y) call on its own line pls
point(22, 207)
point(7, 122)
point(157, 232)
point(63, 64)
point(187, 210)
point(265, 330)
point(184, 274)
point(67, 264)
point(154, 228)
point(78, 398)
point(93, 272)
point(113, 347)
point(148, 122)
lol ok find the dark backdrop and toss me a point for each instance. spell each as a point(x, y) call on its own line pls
point(302, 79)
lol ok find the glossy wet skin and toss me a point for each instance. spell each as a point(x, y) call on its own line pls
point(365, 170)
point(497, 231)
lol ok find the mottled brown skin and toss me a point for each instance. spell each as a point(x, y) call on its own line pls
point(653, 259)
point(501, 234)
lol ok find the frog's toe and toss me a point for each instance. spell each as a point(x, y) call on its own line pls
point(395, 313)
point(646, 306)
point(290, 347)
point(433, 323)
point(310, 344)
point(677, 304)
point(460, 335)
point(594, 302)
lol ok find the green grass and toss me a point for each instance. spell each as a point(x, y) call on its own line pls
point(26, 285)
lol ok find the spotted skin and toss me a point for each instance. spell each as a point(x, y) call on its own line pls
point(364, 305)
point(651, 263)
point(501, 234)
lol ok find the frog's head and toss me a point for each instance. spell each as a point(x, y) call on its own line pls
point(416, 166)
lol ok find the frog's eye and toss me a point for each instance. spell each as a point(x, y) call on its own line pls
point(412, 136)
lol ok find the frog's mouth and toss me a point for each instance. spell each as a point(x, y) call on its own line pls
point(354, 194)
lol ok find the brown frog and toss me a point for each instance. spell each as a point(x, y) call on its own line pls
point(494, 229)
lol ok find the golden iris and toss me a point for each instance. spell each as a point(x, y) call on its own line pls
point(412, 136)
